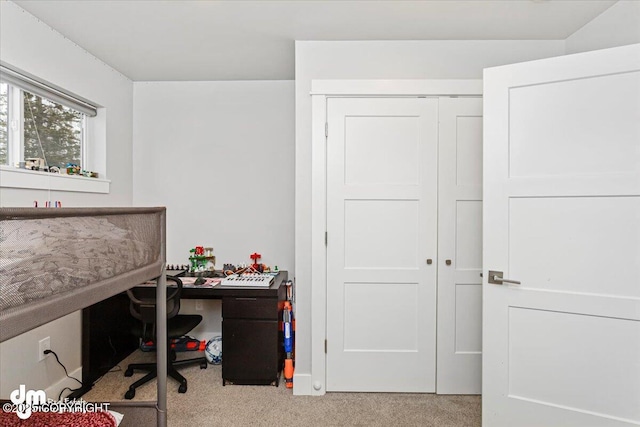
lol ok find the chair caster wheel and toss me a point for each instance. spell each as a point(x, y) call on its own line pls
point(128, 372)
point(203, 365)
point(130, 394)
point(182, 388)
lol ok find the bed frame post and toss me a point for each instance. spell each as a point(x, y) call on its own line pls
point(161, 353)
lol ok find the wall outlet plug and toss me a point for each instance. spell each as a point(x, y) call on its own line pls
point(43, 344)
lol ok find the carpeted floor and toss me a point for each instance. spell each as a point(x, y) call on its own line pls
point(208, 403)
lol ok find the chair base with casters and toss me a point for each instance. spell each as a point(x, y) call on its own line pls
point(152, 373)
point(176, 327)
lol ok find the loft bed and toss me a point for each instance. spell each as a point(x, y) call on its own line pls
point(57, 261)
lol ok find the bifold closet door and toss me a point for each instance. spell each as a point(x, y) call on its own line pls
point(382, 244)
point(460, 246)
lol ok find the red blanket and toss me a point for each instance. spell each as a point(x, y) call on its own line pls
point(65, 419)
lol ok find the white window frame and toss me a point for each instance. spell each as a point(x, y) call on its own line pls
point(14, 177)
point(15, 131)
point(16, 121)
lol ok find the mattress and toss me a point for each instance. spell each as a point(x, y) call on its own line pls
point(56, 261)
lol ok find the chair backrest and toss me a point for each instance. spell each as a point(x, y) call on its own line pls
point(142, 303)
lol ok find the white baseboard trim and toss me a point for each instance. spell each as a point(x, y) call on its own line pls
point(54, 389)
point(302, 385)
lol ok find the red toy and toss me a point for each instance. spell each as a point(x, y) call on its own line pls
point(255, 257)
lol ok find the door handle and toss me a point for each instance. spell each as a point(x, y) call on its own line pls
point(495, 278)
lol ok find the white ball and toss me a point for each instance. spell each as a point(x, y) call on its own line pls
point(213, 351)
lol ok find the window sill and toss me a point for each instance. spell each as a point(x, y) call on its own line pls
point(34, 180)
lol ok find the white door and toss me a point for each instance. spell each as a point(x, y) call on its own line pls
point(562, 216)
point(382, 228)
point(459, 368)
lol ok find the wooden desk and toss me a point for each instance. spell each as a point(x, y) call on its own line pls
point(252, 343)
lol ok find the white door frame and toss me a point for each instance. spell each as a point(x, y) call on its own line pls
point(321, 90)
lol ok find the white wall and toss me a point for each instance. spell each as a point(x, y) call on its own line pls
point(220, 156)
point(31, 45)
point(617, 26)
point(374, 60)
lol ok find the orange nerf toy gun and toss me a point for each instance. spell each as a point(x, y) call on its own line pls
point(287, 316)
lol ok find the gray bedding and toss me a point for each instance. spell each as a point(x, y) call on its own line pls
point(56, 261)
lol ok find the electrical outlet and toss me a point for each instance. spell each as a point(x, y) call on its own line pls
point(199, 306)
point(43, 344)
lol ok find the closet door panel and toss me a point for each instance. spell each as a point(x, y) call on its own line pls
point(460, 246)
point(382, 227)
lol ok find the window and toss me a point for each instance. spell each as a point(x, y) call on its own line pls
point(42, 127)
point(38, 133)
point(52, 132)
point(4, 123)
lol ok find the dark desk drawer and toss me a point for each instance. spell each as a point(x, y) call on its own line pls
point(252, 351)
point(249, 308)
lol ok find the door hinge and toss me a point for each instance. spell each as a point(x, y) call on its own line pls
point(325, 346)
point(326, 238)
point(326, 130)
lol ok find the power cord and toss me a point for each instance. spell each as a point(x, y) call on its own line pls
point(66, 373)
point(116, 368)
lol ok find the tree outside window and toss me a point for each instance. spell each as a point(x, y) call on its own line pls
point(52, 131)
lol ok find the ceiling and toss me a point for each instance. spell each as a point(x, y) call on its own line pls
point(254, 40)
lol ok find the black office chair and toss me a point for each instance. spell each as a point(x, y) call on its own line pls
point(143, 307)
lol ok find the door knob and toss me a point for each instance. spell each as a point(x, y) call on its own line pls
point(495, 278)
point(448, 262)
point(429, 261)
